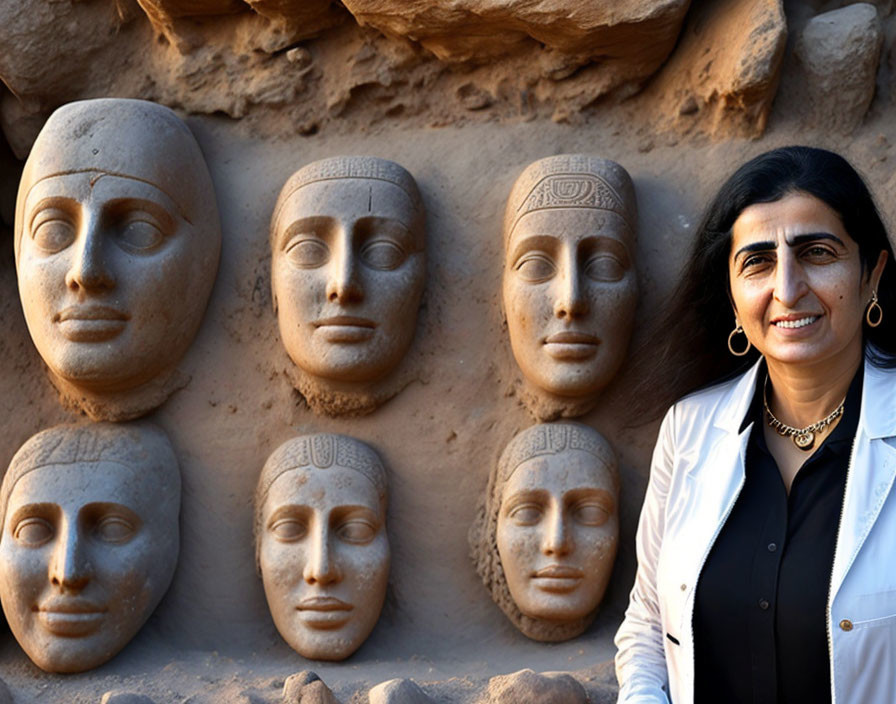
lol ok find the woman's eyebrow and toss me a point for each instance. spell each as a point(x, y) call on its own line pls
point(811, 236)
point(755, 247)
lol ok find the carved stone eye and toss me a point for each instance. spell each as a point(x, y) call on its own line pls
point(356, 530)
point(33, 531)
point(54, 233)
point(604, 268)
point(288, 530)
point(140, 234)
point(307, 252)
point(535, 267)
point(114, 529)
point(383, 255)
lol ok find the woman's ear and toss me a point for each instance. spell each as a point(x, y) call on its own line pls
point(878, 269)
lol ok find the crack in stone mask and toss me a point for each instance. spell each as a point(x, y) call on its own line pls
point(569, 286)
point(321, 543)
point(90, 540)
point(545, 540)
point(348, 270)
point(117, 243)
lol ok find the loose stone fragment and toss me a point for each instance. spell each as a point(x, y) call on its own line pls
point(398, 691)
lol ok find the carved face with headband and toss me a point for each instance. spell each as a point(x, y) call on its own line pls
point(570, 286)
point(321, 544)
point(117, 243)
point(545, 539)
point(348, 267)
point(90, 540)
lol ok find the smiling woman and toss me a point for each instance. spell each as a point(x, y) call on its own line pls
point(771, 500)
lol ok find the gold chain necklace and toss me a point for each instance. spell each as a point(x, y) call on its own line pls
point(803, 438)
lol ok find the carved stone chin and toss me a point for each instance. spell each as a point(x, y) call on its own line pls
point(117, 243)
point(544, 540)
point(347, 273)
point(570, 286)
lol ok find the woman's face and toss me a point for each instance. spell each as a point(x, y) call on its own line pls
point(557, 533)
point(324, 559)
point(797, 284)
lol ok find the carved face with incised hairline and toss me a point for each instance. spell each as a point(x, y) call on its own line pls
point(570, 286)
point(348, 267)
point(321, 544)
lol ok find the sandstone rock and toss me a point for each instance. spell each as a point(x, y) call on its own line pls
point(50, 49)
point(124, 698)
point(723, 76)
point(306, 687)
point(642, 32)
point(398, 691)
point(839, 51)
point(527, 687)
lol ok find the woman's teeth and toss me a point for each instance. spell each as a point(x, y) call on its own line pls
point(801, 323)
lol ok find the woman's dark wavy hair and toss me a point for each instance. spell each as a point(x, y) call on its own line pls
point(690, 347)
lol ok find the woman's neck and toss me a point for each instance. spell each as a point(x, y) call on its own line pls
point(802, 394)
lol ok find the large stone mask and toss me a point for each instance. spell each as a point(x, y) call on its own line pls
point(570, 286)
point(545, 538)
point(348, 269)
point(90, 540)
point(321, 544)
point(117, 245)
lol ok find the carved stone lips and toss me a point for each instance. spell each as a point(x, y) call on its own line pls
point(345, 328)
point(558, 579)
point(70, 618)
point(571, 345)
point(323, 603)
point(91, 323)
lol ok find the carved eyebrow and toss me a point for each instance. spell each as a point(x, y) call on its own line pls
point(41, 509)
point(542, 242)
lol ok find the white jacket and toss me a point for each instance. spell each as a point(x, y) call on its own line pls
point(695, 477)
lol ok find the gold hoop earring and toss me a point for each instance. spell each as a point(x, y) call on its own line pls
point(738, 330)
point(872, 305)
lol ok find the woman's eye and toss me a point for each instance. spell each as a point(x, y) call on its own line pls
point(756, 261)
point(288, 529)
point(819, 253)
point(114, 529)
point(356, 531)
point(33, 532)
point(383, 255)
point(526, 515)
point(535, 267)
point(140, 234)
point(53, 233)
point(604, 268)
point(307, 253)
point(590, 514)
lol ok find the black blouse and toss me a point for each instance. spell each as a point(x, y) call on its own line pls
point(760, 614)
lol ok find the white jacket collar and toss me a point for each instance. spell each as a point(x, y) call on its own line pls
point(877, 417)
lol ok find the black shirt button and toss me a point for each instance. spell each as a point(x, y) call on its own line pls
point(763, 604)
point(772, 547)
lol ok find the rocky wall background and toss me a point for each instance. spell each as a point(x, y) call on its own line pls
point(464, 94)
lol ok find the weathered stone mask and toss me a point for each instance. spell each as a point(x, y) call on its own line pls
point(90, 540)
point(545, 539)
point(321, 544)
point(570, 286)
point(117, 243)
point(348, 269)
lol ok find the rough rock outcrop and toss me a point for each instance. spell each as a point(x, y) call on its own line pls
point(527, 687)
point(723, 76)
point(641, 32)
point(839, 51)
point(306, 687)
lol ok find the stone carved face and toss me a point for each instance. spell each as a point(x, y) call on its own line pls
point(348, 267)
point(88, 549)
point(545, 537)
point(324, 555)
point(570, 285)
point(557, 534)
point(117, 243)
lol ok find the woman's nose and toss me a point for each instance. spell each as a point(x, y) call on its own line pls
point(790, 280)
